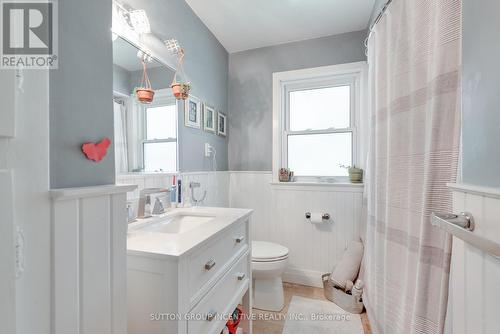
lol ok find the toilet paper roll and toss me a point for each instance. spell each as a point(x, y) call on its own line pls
point(317, 218)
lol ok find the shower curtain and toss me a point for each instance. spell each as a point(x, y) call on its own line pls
point(414, 54)
point(120, 123)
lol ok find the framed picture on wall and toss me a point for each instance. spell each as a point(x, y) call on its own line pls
point(192, 112)
point(221, 124)
point(209, 115)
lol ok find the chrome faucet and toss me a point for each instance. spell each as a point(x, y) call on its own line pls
point(192, 186)
point(145, 198)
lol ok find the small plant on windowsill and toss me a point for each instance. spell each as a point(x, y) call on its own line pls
point(355, 174)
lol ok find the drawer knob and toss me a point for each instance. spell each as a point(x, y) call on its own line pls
point(241, 276)
point(239, 240)
point(211, 315)
point(209, 265)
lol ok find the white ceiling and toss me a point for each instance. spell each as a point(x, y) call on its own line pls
point(248, 24)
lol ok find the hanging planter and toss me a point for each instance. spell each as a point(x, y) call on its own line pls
point(145, 93)
point(180, 90)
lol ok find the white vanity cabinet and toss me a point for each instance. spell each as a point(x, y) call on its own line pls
point(193, 292)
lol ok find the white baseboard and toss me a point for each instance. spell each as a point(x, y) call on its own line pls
point(303, 277)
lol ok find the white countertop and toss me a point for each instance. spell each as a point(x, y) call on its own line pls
point(174, 245)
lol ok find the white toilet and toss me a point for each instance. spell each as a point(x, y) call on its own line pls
point(269, 261)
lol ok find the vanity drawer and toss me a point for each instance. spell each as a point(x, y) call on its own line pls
point(213, 310)
point(212, 260)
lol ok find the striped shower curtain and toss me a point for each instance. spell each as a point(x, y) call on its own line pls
point(414, 54)
point(120, 126)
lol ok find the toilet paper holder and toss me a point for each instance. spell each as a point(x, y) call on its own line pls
point(325, 216)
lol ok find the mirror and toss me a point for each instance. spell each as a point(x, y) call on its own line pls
point(145, 133)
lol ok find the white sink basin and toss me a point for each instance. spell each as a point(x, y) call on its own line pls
point(177, 224)
point(179, 230)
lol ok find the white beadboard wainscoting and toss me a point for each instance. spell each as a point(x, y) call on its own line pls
point(279, 216)
point(89, 260)
point(7, 262)
point(474, 298)
point(215, 183)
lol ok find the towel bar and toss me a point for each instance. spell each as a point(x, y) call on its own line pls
point(464, 220)
point(462, 227)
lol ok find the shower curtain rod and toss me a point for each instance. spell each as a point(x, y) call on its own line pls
point(379, 16)
point(377, 20)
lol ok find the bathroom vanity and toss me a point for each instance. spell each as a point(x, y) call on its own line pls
point(187, 271)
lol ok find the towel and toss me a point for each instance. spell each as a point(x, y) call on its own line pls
point(348, 267)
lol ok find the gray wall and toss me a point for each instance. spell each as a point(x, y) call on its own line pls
point(81, 89)
point(81, 107)
point(481, 98)
point(121, 80)
point(250, 90)
point(206, 64)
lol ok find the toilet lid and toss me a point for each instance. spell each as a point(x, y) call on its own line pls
point(263, 250)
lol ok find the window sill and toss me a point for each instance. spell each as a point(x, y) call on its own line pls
point(145, 174)
point(319, 186)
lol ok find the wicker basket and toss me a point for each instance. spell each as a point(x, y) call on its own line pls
point(340, 298)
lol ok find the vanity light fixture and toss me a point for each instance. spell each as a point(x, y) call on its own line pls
point(139, 21)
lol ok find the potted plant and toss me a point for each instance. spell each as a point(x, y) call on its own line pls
point(285, 175)
point(144, 92)
point(355, 174)
point(180, 90)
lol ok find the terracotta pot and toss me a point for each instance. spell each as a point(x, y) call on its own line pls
point(145, 95)
point(176, 90)
point(180, 90)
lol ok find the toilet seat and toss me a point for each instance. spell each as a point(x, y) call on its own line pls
point(271, 260)
point(263, 251)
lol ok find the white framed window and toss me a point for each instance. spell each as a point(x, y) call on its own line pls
point(317, 121)
point(159, 144)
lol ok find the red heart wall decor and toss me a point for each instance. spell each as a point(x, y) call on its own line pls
point(96, 152)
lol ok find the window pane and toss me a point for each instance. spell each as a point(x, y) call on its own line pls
point(320, 154)
point(320, 108)
point(161, 122)
point(160, 157)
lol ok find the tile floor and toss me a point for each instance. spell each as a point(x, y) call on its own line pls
point(275, 326)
